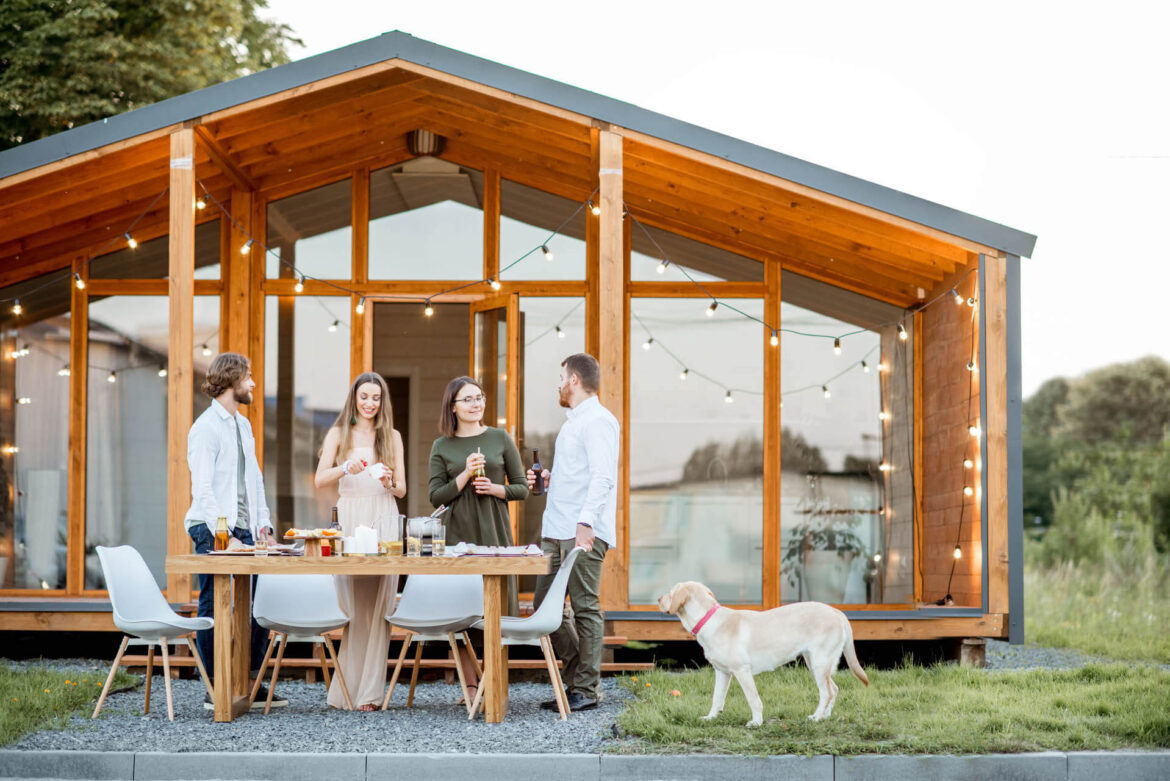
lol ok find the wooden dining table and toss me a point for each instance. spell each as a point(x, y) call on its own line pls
point(233, 608)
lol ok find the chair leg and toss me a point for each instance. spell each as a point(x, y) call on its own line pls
point(110, 677)
point(319, 652)
point(167, 677)
point(459, 670)
point(483, 684)
point(474, 658)
point(414, 674)
point(397, 670)
point(275, 672)
point(149, 677)
point(203, 670)
point(260, 674)
point(554, 676)
point(337, 668)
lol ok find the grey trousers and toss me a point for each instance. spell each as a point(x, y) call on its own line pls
point(578, 643)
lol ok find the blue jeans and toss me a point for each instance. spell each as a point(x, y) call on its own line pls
point(205, 638)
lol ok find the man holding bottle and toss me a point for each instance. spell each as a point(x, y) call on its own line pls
point(226, 488)
point(581, 510)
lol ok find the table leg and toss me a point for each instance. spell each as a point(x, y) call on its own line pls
point(223, 648)
point(495, 655)
point(241, 635)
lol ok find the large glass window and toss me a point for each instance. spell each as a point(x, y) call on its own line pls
point(426, 221)
point(312, 232)
point(689, 260)
point(845, 518)
point(306, 377)
point(696, 448)
point(151, 259)
point(530, 222)
point(126, 423)
point(34, 434)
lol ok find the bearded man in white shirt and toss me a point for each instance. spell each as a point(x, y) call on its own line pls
point(226, 481)
point(580, 511)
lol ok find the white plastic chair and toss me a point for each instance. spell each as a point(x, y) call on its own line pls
point(535, 630)
point(297, 608)
point(142, 612)
point(434, 608)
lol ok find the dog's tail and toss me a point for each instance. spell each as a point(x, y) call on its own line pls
point(851, 654)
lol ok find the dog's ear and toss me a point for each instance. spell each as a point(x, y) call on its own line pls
point(710, 594)
point(678, 595)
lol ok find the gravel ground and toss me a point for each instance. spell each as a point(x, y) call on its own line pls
point(435, 723)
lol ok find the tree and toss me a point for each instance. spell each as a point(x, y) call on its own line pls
point(68, 62)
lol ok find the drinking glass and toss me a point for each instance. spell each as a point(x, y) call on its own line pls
point(438, 538)
point(415, 527)
point(260, 545)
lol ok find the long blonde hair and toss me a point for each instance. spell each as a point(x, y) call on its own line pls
point(383, 422)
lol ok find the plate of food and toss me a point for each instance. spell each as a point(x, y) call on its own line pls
point(311, 534)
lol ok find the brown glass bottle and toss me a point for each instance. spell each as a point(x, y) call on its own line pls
point(537, 469)
point(222, 535)
point(479, 470)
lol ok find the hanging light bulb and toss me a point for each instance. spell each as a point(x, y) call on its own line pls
point(727, 399)
point(201, 203)
point(162, 371)
point(205, 348)
point(112, 377)
point(968, 463)
point(361, 305)
point(970, 366)
point(547, 252)
point(883, 367)
point(774, 339)
point(560, 333)
point(595, 208)
point(24, 400)
point(646, 345)
point(836, 347)
point(958, 552)
point(883, 415)
point(902, 332)
point(130, 240)
point(63, 371)
point(16, 307)
point(865, 367)
point(246, 247)
point(971, 301)
point(299, 287)
point(958, 298)
point(77, 280)
point(662, 266)
point(877, 558)
point(333, 326)
point(825, 390)
point(968, 491)
point(11, 450)
point(683, 374)
point(973, 430)
point(711, 309)
point(429, 310)
point(493, 283)
point(883, 467)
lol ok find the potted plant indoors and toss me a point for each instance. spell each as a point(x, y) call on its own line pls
point(820, 553)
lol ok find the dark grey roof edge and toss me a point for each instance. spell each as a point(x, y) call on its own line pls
point(406, 47)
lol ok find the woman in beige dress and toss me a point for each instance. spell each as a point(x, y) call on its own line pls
point(362, 437)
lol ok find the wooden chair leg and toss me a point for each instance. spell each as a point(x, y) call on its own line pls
point(110, 677)
point(260, 673)
point(202, 669)
point(167, 677)
point(474, 658)
point(459, 670)
point(337, 669)
point(414, 674)
point(149, 677)
point(397, 670)
point(275, 672)
point(483, 684)
point(319, 652)
point(554, 676)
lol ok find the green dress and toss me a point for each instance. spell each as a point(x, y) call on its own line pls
point(472, 517)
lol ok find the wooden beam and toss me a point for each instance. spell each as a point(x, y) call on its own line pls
point(223, 160)
point(357, 340)
point(99, 159)
point(491, 223)
point(593, 252)
point(78, 422)
point(991, 625)
point(612, 336)
point(919, 452)
point(180, 370)
point(691, 290)
point(994, 374)
point(236, 271)
point(773, 417)
point(255, 351)
point(360, 225)
point(147, 287)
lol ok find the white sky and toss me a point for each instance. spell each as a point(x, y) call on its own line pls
point(1050, 118)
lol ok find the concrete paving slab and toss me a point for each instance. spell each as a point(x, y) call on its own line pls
point(670, 768)
point(1130, 765)
point(161, 766)
point(513, 767)
point(97, 765)
point(1042, 766)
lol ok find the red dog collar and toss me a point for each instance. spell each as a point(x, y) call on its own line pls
point(702, 621)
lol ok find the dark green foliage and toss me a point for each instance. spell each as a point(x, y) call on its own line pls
point(64, 63)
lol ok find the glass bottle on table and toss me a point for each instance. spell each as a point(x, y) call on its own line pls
point(537, 469)
point(479, 470)
point(222, 535)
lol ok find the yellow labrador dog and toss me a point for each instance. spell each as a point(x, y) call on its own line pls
point(745, 642)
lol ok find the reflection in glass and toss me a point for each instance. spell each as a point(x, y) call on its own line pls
point(306, 377)
point(34, 435)
point(491, 363)
point(426, 221)
point(845, 514)
point(696, 460)
point(126, 420)
point(311, 231)
point(703, 263)
point(527, 218)
point(151, 259)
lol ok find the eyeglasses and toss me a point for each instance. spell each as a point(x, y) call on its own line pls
point(480, 399)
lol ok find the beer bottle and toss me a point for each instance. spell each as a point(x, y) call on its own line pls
point(537, 469)
point(222, 535)
point(334, 523)
point(479, 470)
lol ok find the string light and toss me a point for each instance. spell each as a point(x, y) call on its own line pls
point(205, 348)
point(968, 463)
point(299, 287)
point(883, 415)
point(902, 332)
point(883, 467)
point(333, 326)
point(130, 240)
point(728, 398)
point(493, 283)
point(361, 306)
point(560, 333)
point(162, 371)
point(11, 450)
point(646, 345)
point(711, 309)
point(825, 390)
point(973, 430)
point(63, 371)
point(971, 301)
point(246, 247)
point(112, 377)
point(970, 366)
point(865, 367)
point(662, 266)
point(428, 310)
point(883, 367)
point(958, 552)
point(201, 203)
point(594, 207)
point(836, 347)
point(17, 308)
point(77, 280)
point(24, 400)
point(547, 252)
point(968, 491)
point(683, 374)
point(877, 558)
point(958, 298)
point(774, 339)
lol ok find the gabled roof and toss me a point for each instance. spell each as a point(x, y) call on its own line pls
point(402, 46)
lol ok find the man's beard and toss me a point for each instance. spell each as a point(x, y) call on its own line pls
point(563, 397)
point(242, 398)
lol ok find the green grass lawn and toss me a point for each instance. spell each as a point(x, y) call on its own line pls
point(38, 698)
point(912, 710)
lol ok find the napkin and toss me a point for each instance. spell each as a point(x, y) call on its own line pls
point(378, 470)
point(365, 540)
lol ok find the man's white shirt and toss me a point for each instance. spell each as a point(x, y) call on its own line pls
point(213, 456)
point(583, 483)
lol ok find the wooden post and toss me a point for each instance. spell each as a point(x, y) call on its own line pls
point(592, 252)
point(361, 334)
point(612, 337)
point(78, 420)
point(236, 270)
point(180, 370)
point(772, 423)
point(286, 396)
point(255, 351)
point(491, 223)
point(994, 374)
